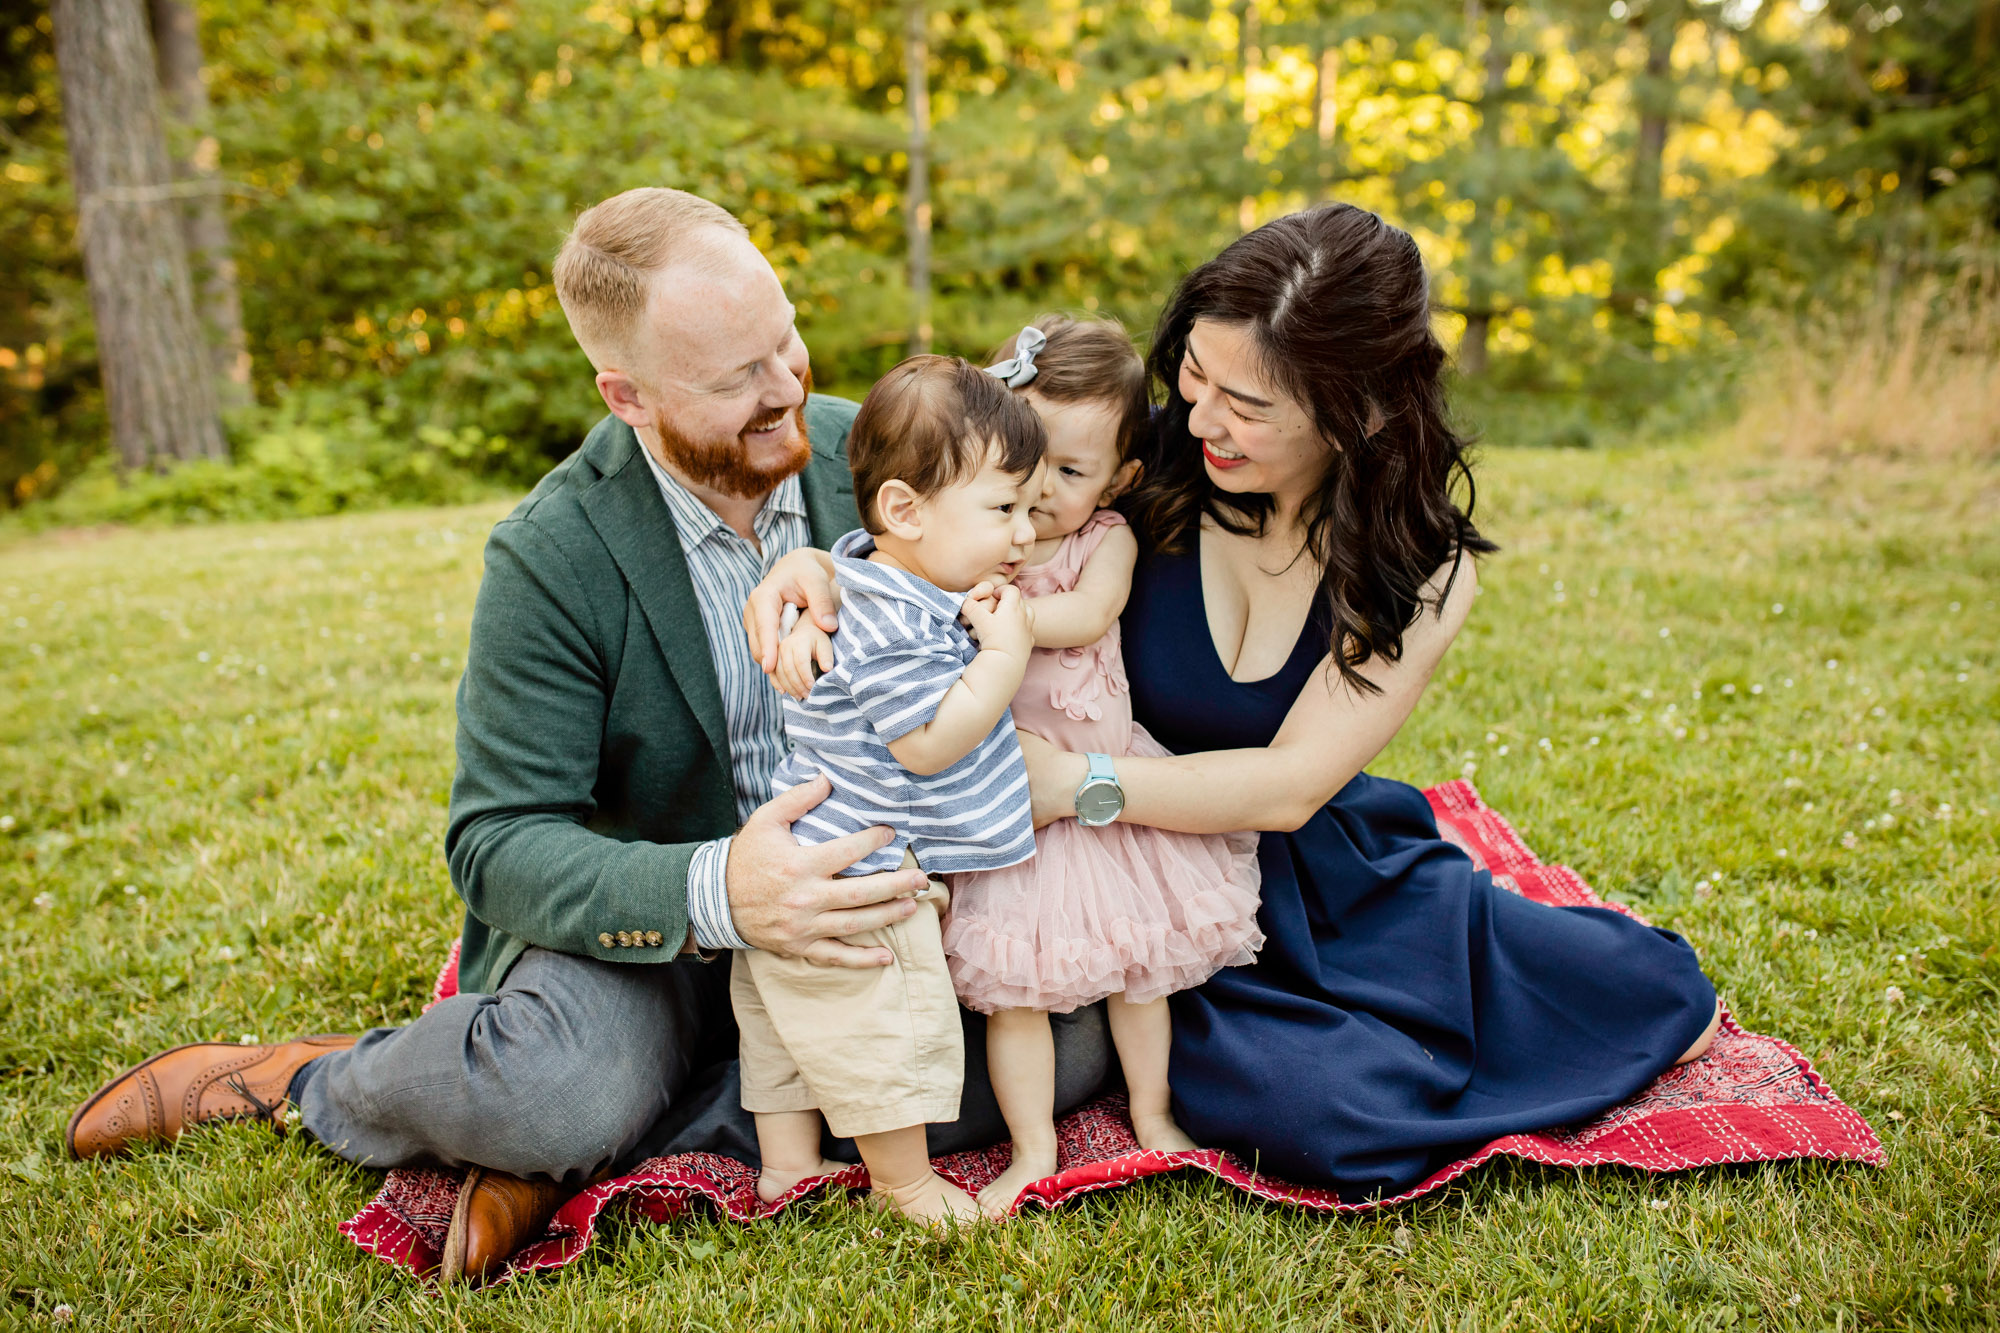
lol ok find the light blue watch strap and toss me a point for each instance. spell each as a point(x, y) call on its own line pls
point(1100, 767)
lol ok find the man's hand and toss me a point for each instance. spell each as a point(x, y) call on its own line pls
point(1000, 620)
point(803, 579)
point(787, 899)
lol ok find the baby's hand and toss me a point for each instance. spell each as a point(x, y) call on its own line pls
point(1001, 619)
point(805, 652)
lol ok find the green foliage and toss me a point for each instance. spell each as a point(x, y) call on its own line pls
point(250, 725)
point(317, 452)
point(400, 175)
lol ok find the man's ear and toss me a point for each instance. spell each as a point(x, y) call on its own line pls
point(621, 395)
point(1121, 481)
point(899, 511)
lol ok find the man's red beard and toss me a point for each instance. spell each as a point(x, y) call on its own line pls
point(725, 465)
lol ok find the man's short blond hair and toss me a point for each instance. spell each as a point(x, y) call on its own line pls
point(605, 269)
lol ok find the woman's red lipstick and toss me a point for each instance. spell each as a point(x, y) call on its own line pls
point(1224, 463)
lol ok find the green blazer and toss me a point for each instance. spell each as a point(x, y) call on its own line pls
point(592, 756)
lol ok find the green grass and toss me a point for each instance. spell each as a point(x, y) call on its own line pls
point(224, 759)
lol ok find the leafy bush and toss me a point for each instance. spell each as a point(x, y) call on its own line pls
point(316, 452)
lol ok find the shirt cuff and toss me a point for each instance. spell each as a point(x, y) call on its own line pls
point(708, 898)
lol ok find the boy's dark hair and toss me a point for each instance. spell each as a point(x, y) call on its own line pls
point(929, 423)
point(1090, 360)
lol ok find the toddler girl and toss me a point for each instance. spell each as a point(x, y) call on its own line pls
point(1123, 911)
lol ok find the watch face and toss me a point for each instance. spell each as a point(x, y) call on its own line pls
point(1099, 802)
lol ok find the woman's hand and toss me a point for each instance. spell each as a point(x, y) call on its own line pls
point(803, 579)
point(1053, 777)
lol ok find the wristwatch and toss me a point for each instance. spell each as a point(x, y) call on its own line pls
point(1100, 799)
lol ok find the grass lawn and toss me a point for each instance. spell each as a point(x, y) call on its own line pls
point(1759, 700)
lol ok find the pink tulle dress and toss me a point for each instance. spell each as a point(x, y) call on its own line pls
point(1122, 909)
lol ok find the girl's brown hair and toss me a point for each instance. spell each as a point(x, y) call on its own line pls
point(1090, 360)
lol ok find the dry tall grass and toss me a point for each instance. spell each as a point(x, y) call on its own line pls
point(1914, 374)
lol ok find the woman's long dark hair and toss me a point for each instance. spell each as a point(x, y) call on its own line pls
point(1337, 304)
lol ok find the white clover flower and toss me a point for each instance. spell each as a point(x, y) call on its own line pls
point(1832, 664)
point(6, 823)
point(1728, 689)
point(1545, 743)
point(1492, 737)
point(1777, 608)
point(1594, 740)
point(1501, 751)
point(1849, 841)
point(1756, 689)
point(1659, 1205)
point(1893, 995)
point(1666, 633)
point(226, 954)
point(44, 901)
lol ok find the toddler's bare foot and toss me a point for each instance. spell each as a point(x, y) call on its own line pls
point(772, 1182)
point(930, 1199)
point(1159, 1133)
point(1029, 1165)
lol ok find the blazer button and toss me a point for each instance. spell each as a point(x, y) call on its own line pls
point(624, 939)
point(654, 939)
point(604, 939)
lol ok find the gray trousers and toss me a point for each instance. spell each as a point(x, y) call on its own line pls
point(577, 1066)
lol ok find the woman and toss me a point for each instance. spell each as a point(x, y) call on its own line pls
point(1303, 570)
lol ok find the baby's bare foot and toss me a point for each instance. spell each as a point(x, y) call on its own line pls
point(1159, 1133)
point(1029, 1165)
point(772, 1182)
point(930, 1199)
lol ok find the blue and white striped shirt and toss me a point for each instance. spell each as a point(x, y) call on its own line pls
point(898, 651)
point(724, 566)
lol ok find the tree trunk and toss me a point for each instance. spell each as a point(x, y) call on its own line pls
point(1653, 93)
point(917, 196)
point(177, 48)
point(157, 380)
point(1326, 114)
point(1481, 290)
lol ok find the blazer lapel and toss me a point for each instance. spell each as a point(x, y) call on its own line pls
point(829, 490)
point(626, 509)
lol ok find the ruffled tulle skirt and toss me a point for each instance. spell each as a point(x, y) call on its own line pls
point(1119, 910)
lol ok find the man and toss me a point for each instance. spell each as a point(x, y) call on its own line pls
point(608, 829)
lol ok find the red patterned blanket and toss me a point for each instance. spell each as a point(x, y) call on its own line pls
point(1750, 1099)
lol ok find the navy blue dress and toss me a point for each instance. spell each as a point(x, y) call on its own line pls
point(1404, 1009)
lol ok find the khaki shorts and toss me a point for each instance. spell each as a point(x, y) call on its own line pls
point(871, 1049)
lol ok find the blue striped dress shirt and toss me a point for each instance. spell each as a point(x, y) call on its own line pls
point(724, 566)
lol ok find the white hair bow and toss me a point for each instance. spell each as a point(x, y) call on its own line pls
point(1019, 369)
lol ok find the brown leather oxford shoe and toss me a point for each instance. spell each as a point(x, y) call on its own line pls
point(156, 1100)
point(496, 1215)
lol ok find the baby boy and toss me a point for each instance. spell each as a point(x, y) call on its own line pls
point(911, 725)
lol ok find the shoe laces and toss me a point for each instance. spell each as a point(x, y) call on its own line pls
point(270, 1112)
